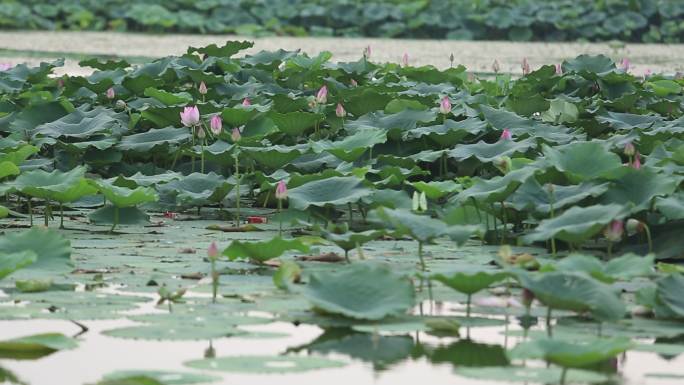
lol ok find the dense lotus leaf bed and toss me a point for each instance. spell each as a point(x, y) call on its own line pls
point(342, 218)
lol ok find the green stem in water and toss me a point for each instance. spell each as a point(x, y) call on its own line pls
point(470, 296)
point(549, 331)
point(280, 218)
point(648, 238)
point(505, 221)
point(30, 210)
point(202, 157)
point(610, 250)
point(346, 255)
point(47, 212)
point(61, 215)
point(351, 218)
point(564, 374)
point(214, 280)
point(420, 255)
point(237, 190)
point(116, 221)
point(193, 152)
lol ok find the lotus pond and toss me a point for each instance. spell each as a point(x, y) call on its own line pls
point(244, 219)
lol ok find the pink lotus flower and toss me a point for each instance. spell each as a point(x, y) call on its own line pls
point(636, 163)
point(445, 105)
point(629, 149)
point(559, 69)
point(495, 66)
point(216, 124)
point(339, 111)
point(613, 232)
point(322, 95)
point(353, 83)
point(5, 66)
point(235, 135)
point(506, 134)
point(190, 116)
point(202, 88)
point(111, 94)
point(405, 60)
point(246, 102)
point(625, 65)
point(526, 66)
point(281, 190)
point(213, 251)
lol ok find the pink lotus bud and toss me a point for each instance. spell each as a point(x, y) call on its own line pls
point(339, 111)
point(322, 95)
point(526, 66)
point(212, 251)
point(613, 232)
point(200, 132)
point(647, 73)
point(634, 226)
point(495, 66)
point(367, 52)
point(190, 116)
point(235, 135)
point(405, 60)
point(246, 102)
point(5, 66)
point(559, 69)
point(202, 88)
point(216, 124)
point(629, 149)
point(111, 94)
point(625, 64)
point(281, 190)
point(636, 164)
point(353, 83)
point(445, 105)
point(506, 134)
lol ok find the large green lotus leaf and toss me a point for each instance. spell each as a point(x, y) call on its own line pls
point(575, 292)
point(361, 291)
point(436, 189)
point(198, 189)
point(146, 141)
point(52, 249)
point(8, 168)
point(523, 127)
point(598, 64)
point(330, 191)
point(168, 98)
point(225, 51)
point(531, 196)
point(628, 122)
point(637, 188)
point(99, 142)
point(9, 263)
point(576, 224)
point(19, 155)
point(263, 250)
point(123, 196)
point(664, 87)
point(80, 124)
point(486, 152)
point(560, 111)
point(420, 227)
point(399, 122)
point(184, 331)
point(240, 115)
point(534, 375)
point(35, 346)
point(349, 240)
point(352, 147)
point(126, 216)
point(449, 133)
point(4, 211)
point(56, 185)
point(669, 293)
point(471, 280)
point(162, 377)
point(571, 354)
point(265, 364)
point(497, 188)
point(277, 156)
point(625, 267)
point(295, 123)
point(672, 206)
point(582, 161)
point(139, 179)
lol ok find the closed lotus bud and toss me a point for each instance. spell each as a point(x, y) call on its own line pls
point(496, 67)
point(527, 297)
point(405, 60)
point(339, 111)
point(235, 135)
point(613, 232)
point(445, 105)
point(526, 66)
point(506, 134)
point(202, 88)
point(625, 64)
point(200, 132)
point(322, 95)
point(419, 201)
point(246, 102)
point(281, 190)
point(216, 124)
point(634, 226)
point(212, 251)
point(353, 83)
point(111, 94)
point(636, 164)
point(559, 69)
point(629, 150)
point(120, 105)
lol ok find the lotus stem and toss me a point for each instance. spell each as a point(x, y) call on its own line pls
point(61, 215)
point(549, 331)
point(648, 237)
point(351, 218)
point(214, 280)
point(116, 219)
point(346, 255)
point(552, 199)
point(280, 218)
point(564, 374)
point(237, 190)
point(202, 157)
point(420, 255)
point(505, 221)
point(193, 153)
point(468, 301)
point(610, 250)
point(30, 210)
point(47, 213)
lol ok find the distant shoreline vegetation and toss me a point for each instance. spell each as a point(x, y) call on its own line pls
point(649, 21)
